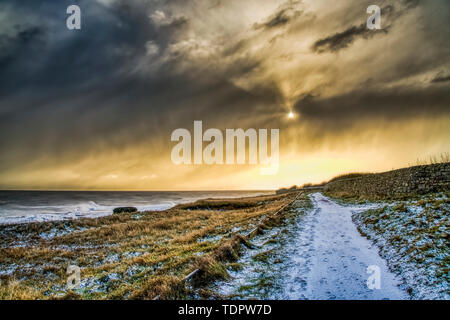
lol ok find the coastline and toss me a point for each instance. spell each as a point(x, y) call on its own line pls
point(129, 255)
point(197, 250)
point(18, 207)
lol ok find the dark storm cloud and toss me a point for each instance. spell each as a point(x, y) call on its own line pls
point(69, 59)
point(109, 50)
point(11, 46)
point(283, 16)
point(344, 39)
point(441, 78)
point(46, 56)
point(139, 69)
point(66, 98)
point(341, 112)
point(132, 111)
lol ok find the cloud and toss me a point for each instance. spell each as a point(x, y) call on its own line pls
point(342, 112)
point(344, 39)
point(286, 13)
point(160, 19)
point(440, 77)
point(22, 42)
point(105, 99)
point(390, 13)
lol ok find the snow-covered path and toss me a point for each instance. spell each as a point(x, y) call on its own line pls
point(329, 258)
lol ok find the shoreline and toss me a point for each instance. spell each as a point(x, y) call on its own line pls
point(96, 203)
point(127, 255)
point(151, 254)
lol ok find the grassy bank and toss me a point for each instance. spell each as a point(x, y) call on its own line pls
point(139, 255)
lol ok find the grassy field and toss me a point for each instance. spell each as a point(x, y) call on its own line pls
point(142, 255)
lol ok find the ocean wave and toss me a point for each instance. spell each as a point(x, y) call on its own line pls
point(39, 207)
point(41, 213)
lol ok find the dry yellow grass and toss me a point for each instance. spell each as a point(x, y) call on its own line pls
point(13, 290)
point(131, 255)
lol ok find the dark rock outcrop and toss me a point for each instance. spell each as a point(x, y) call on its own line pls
point(125, 209)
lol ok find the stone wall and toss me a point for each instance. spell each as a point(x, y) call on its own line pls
point(397, 183)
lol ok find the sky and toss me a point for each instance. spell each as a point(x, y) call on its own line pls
point(94, 109)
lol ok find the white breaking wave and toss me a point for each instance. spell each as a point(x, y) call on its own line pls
point(27, 207)
point(90, 209)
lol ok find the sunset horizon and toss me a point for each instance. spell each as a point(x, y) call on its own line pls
point(256, 188)
point(94, 108)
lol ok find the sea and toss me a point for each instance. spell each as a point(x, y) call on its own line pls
point(39, 206)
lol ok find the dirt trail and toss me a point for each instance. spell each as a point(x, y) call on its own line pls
point(329, 258)
point(321, 256)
